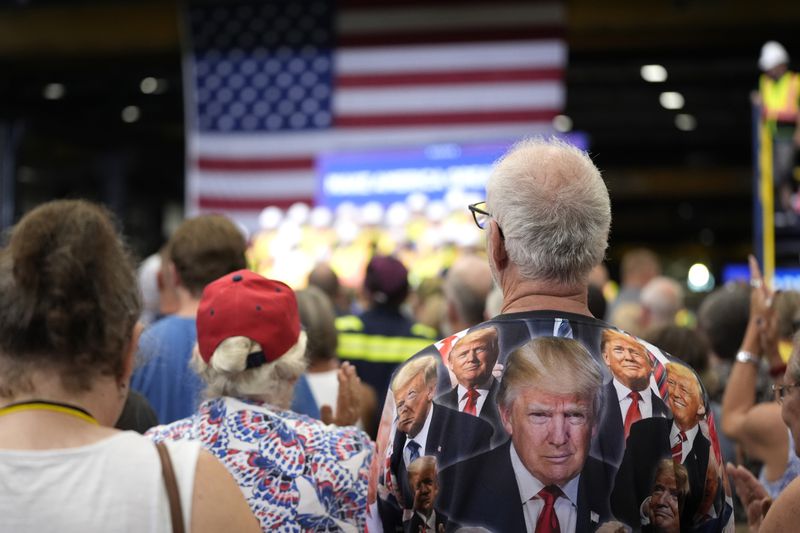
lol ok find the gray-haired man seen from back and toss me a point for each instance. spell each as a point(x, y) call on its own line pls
point(547, 216)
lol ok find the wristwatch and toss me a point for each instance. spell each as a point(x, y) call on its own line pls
point(746, 357)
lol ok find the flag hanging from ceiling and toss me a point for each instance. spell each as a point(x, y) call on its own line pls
point(270, 85)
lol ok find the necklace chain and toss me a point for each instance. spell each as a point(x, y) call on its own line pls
point(44, 405)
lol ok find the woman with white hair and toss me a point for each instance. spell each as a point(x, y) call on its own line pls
point(295, 472)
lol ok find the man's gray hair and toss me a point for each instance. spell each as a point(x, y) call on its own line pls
point(663, 296)
point(553, 208)
point(553, 364)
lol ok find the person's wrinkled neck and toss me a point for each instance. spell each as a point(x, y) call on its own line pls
point(522, 294)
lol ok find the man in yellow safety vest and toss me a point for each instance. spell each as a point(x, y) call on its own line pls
point(778, 95)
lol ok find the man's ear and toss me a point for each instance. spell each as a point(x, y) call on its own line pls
point(171, 278)
point(595, 425)
point(497, 247)
point(431, 391)
point(701, 410)
point(505, 418)
point(129, 357)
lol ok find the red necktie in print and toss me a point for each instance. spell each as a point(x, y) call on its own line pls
point(472, 402)
point(634, 414)
point(548, 521)
point(677, 449)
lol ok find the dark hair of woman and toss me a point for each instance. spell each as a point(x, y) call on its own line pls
point(68, 297)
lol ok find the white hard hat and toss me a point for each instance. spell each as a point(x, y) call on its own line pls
point(772, 55)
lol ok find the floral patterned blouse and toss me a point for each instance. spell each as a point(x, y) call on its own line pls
point(296, 473)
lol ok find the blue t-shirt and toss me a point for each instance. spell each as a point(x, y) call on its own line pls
point(164, 376)
point(303, 401)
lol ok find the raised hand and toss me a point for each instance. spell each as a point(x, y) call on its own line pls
point(751, 493)
point(348, 400)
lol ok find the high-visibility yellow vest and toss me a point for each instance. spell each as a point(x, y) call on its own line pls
point(779, 98)
point(356, 345)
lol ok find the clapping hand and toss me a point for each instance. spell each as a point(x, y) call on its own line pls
point(348, 400)
point(751, 493)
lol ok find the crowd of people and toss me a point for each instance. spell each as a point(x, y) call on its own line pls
point(506, 391)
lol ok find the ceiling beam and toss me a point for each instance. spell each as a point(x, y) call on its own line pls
point(89, 29)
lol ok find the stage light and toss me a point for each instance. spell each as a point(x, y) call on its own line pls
point(685, 122)
point(131, 114)
point(270, 218)
point(53, 91)
point(149, 85)
point(562, 123)
point(653, 73)
point(671, 100)
point(700, 278)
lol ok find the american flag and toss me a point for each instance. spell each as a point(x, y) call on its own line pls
point(273, 84)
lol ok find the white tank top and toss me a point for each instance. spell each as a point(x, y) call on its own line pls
point(324, 387)
point(114, 485)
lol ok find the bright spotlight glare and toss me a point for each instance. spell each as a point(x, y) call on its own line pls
point(653, 73)
point(685, 122)
point(562, 123)
point(671, 100)
point(131, 114)
point(699, 278)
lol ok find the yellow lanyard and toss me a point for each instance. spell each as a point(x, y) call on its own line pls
point(44, 405)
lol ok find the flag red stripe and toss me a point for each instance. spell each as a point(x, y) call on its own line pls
point(435, 78)
point(250, 204)
point(233, 163)
point(452, 36)
point(421, 119)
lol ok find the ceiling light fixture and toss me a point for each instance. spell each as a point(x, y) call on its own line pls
point(653, 73)
point(131, 114)
point(671, 100)
point(685, 122)
point(562, 123)
point(149, 85)
point(53, 91)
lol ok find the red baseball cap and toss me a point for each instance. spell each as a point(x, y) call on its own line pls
point(246, 304)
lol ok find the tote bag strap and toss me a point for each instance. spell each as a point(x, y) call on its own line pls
point(172, 488)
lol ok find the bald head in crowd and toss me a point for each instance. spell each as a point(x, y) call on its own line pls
point(468, 283)
point(324, 278)
point(638, 267)
point(661, 298)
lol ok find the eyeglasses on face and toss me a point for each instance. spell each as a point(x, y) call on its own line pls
point(480, 214)
point(780, 391)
